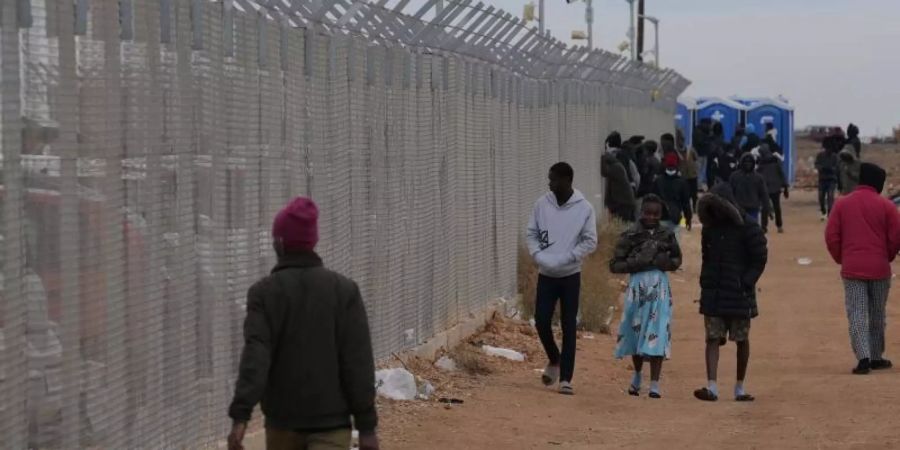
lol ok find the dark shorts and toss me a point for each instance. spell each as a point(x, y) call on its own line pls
point(726, 328)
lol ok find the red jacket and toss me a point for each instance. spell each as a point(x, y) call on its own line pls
point(863, 235)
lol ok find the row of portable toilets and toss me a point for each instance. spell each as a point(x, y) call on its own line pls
point(741, 111)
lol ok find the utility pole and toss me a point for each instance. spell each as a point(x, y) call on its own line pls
point(541, 16)
point(640, 31)
point(589, 18)
point(631, 32)
point(655, 22)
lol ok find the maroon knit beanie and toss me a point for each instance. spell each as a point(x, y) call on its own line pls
point(296, 226)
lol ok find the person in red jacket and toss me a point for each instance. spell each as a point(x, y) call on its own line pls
point(863, 236)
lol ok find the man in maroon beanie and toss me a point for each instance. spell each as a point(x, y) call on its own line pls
point(307, 351)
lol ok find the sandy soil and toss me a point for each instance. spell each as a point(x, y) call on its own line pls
point(799, 371)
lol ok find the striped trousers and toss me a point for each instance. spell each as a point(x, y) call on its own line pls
point(866, 301)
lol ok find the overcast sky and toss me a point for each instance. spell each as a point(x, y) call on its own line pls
point(835, 60)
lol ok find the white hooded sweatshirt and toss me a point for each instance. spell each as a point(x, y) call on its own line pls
point(560, 237)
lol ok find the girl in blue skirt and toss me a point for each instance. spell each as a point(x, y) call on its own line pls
point(646, 251)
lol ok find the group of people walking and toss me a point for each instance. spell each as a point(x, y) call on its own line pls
point(652, 189)
point(838, 167)
point(308, 354)
point(560, 235)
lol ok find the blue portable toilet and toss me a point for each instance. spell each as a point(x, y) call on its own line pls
point(684, 118)
point(728, 112)
point(780, 114)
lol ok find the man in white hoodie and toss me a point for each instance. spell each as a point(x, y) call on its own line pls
point(562, 231)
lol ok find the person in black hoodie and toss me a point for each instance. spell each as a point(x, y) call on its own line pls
point(749, 189)
point(773, 173)
point(649, 167)
point(853, 139)
point(739, 135)
point(676, 194)
point(828, 167)
point(702, 141)
point(307, 354)
point(734, 254)
point(726, 163)
point(716, 150)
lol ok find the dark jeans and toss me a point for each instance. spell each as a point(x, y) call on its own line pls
point(826, 195)
point(776, 208)
point(567, 290)
point(694, 188)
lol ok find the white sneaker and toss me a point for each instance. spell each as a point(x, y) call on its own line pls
point(550, 375)
point(822, 219)
point(565, 388)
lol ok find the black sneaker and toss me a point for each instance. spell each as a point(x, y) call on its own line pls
point(881, 364)
point(863, 368)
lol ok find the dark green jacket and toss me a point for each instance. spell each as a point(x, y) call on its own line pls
point(307, 351)
point(640, 249)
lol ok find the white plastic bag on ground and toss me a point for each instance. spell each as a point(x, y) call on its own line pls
point(511, 355)
point(396, 384)
point(446, 364)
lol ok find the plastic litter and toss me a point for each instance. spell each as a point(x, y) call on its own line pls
point(511, 355)
point(804, 261)
point(396, 384)
point(446, 364)
point(425, 389)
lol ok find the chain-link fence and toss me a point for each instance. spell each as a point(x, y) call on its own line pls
point(147, 145)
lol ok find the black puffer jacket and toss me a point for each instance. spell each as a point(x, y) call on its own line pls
point(675, 192)
point(734, 257)
point(618, 190)
point(640, 249)
point(749, 188)
point(771, 170)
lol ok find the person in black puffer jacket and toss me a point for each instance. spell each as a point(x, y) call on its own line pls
point(749, 189)
point(734, 257)
point(772, 171)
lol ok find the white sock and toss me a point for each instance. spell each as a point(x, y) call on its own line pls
point(654, 386)
point(739, 389)
point(713, 387)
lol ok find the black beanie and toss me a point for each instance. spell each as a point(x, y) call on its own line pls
point(873, 176)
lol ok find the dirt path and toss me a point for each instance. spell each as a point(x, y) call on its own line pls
point(799, 371)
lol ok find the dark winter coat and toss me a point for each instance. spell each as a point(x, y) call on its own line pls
point(827, 166)
point(772, 171)
point(640, 249)
point(619, 193)
point(675, 192)
point(726, 165)
point(307, 351)
point(853, 139)
point(651, 168)
point(702, 141)
point(749, 189)
point(773, 145)
point(848, 166)
point(734, 254)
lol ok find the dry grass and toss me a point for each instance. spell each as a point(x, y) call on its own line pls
point(600, 289)
point(471, 360)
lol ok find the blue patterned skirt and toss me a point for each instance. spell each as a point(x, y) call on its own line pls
point(646, 320)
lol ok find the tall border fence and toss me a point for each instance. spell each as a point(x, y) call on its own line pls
point(147, 145)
